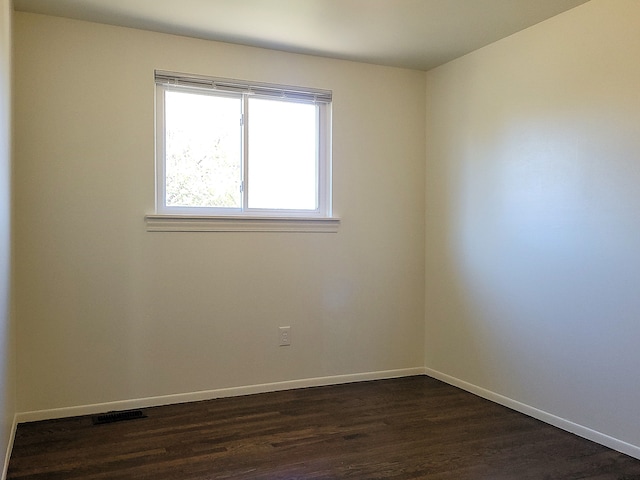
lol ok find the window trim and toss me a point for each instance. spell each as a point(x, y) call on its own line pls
point(167, 218)
point(206, 223)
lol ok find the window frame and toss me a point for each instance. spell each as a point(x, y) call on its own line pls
point(190, 216)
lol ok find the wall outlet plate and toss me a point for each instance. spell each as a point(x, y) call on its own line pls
point(284, 334)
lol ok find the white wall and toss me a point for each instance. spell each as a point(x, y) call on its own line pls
point(533, 218)
point(7, 381)
point(107, 311)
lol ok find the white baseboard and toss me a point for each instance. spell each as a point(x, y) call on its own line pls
point(7, 456)
point(211, 394)
point(564, 424)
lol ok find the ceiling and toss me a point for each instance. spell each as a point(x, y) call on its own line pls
point(419, 34)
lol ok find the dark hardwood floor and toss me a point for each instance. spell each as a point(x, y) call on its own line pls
point(406, 428)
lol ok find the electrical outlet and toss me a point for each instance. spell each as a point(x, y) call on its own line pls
point(285, 336)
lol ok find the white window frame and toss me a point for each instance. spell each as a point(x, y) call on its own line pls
point(173, 218)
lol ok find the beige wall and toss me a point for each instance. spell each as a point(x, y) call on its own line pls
point(7, 381)
point(531, 237)
point(533, 225)
point(109, 312)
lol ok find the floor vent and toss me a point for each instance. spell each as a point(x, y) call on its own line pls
point(117, 417)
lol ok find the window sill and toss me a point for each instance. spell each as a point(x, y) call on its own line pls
point(195, 223)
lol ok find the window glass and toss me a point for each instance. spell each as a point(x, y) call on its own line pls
point(203, 145)
point(282, 155)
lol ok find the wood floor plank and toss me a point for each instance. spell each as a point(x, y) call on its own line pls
point(406, 428)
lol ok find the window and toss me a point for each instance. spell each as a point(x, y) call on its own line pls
point(241, 149)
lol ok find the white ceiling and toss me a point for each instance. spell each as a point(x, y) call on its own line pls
point(418, 34)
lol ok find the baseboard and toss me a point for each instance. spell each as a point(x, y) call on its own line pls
point(7, 456)
point(562, 423)
point(211, 394)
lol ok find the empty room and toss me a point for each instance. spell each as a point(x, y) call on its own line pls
point(429, 267)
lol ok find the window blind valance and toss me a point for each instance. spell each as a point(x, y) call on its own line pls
point(236, 86)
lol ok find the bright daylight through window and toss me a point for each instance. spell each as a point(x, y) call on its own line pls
point(226, 147)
